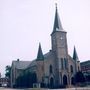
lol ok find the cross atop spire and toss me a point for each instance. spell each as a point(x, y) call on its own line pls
point(75, 56)
point(57, 22)
point(40, 55)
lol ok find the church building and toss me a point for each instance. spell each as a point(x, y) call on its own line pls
point(56, 67)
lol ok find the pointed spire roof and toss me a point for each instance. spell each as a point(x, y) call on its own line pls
point(75, 56)
point(57, 22)
point(40, 55)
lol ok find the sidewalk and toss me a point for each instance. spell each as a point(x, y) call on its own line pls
point(77, 88)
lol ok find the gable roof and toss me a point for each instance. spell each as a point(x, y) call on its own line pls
point(20, 64)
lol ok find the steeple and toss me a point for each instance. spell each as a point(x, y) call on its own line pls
point(75, 56)
point(40, 55)
point(57, 22)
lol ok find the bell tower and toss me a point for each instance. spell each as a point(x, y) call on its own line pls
point(59, 38)
point(59, 46)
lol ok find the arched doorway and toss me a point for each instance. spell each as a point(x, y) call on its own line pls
point(72, 81)
point(51, 82)
point(65, 80)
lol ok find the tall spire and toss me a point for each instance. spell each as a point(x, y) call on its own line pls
point(57, 22)
point(40, 55)
point(75, 56)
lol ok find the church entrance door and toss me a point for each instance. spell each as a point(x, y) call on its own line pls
point(51, 82)
point(65, 80)
point(72, 81)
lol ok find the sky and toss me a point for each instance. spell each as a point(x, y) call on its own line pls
point(25, 23)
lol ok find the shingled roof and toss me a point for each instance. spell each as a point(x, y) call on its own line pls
point(21, 64)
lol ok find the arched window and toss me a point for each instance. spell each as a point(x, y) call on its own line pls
point(62, 63)
point(65, 63)
point(78, 68)
point(50, 69)
point(71, 69)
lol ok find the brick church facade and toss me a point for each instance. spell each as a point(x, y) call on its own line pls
point(56, 67)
